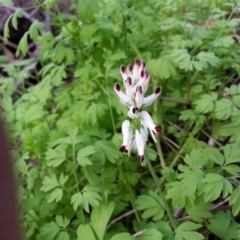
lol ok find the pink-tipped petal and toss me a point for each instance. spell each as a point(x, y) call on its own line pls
point(148, 122)
point(127, 137)
point(139, 96)
point(133, 112)
point(146, 82)
point(129, 70)
point(123, 149)
point(129, 88)
point(141, 158)
point(123, 72)
point(126, 100)
point(158, 129)
point(147, 101)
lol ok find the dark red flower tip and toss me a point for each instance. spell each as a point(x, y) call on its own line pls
point(122, 69)
point(135, 110)
point(142, 74)
point(140, 158)
point(146, 75)
point(158, 129)
point(117, 86)
point(144, 64)
point(139, 88)
point(158, 90)
point(138, 62)
point(130, 68)
point(129, 80)
point(123, 149)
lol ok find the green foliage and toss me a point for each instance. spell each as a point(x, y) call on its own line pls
point(64, 120)
point(152, 206)
point(223, 226)
point(185, 231)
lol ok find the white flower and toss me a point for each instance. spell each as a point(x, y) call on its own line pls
point(127, 137)
point(148, 122)
point(140, 145)
point(136, 80)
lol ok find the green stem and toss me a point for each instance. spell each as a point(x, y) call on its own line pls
point(161, 195)
point(130, 191)
point(177, 100)
point(76, 180)
point(159, 150)
point(110, 108)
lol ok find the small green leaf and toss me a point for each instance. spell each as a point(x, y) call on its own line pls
point(232, 169)
point(62, 221)
point(152, 206)
point(50, 230)
point(121, 236)
point(55, 156)
point(7, 2)
point(49, 183)
point(82, 155)
point(55, 195)
point(23, 45)
point(76, 200)
point(85, 232)
point(234, 201)
point(163, 67)
point(100, 217)
point(108, 150)
point(199, 210)
point(175, 190)
point(214, 185)
point(185, 232)
point(62, 236)
point(17, 14)
point(90, 197)
point(206, 103)
point(223, 226)
point(224, 109)
point(152, 233)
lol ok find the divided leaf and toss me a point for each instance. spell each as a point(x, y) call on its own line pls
point(223, 226)
point(185, 232)
point(152, 206)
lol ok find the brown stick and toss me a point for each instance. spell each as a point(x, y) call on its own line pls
point(9, 225)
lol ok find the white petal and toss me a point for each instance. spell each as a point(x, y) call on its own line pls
point(123, 72)
point(123, 97)
point(144, 133)
point(148, 122)
point(146, 82)
point(140, 145)
point(139, 96)
point(127, 137)
point(129, 88)
point(147, 101)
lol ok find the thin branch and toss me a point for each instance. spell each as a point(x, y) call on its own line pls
point(10, 44)
point(175, 126)
point(121, 217)
point(139, 233)
point(172, 142)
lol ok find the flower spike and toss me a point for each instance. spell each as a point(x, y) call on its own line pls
point(136, 80)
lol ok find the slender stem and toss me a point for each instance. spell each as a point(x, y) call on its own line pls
point(110, 107)
point(161, 195)
point(131, 193)
point(76, 180)
point(177, 100)
point(159, 150)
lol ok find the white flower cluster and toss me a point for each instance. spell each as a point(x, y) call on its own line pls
point(135, 135)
